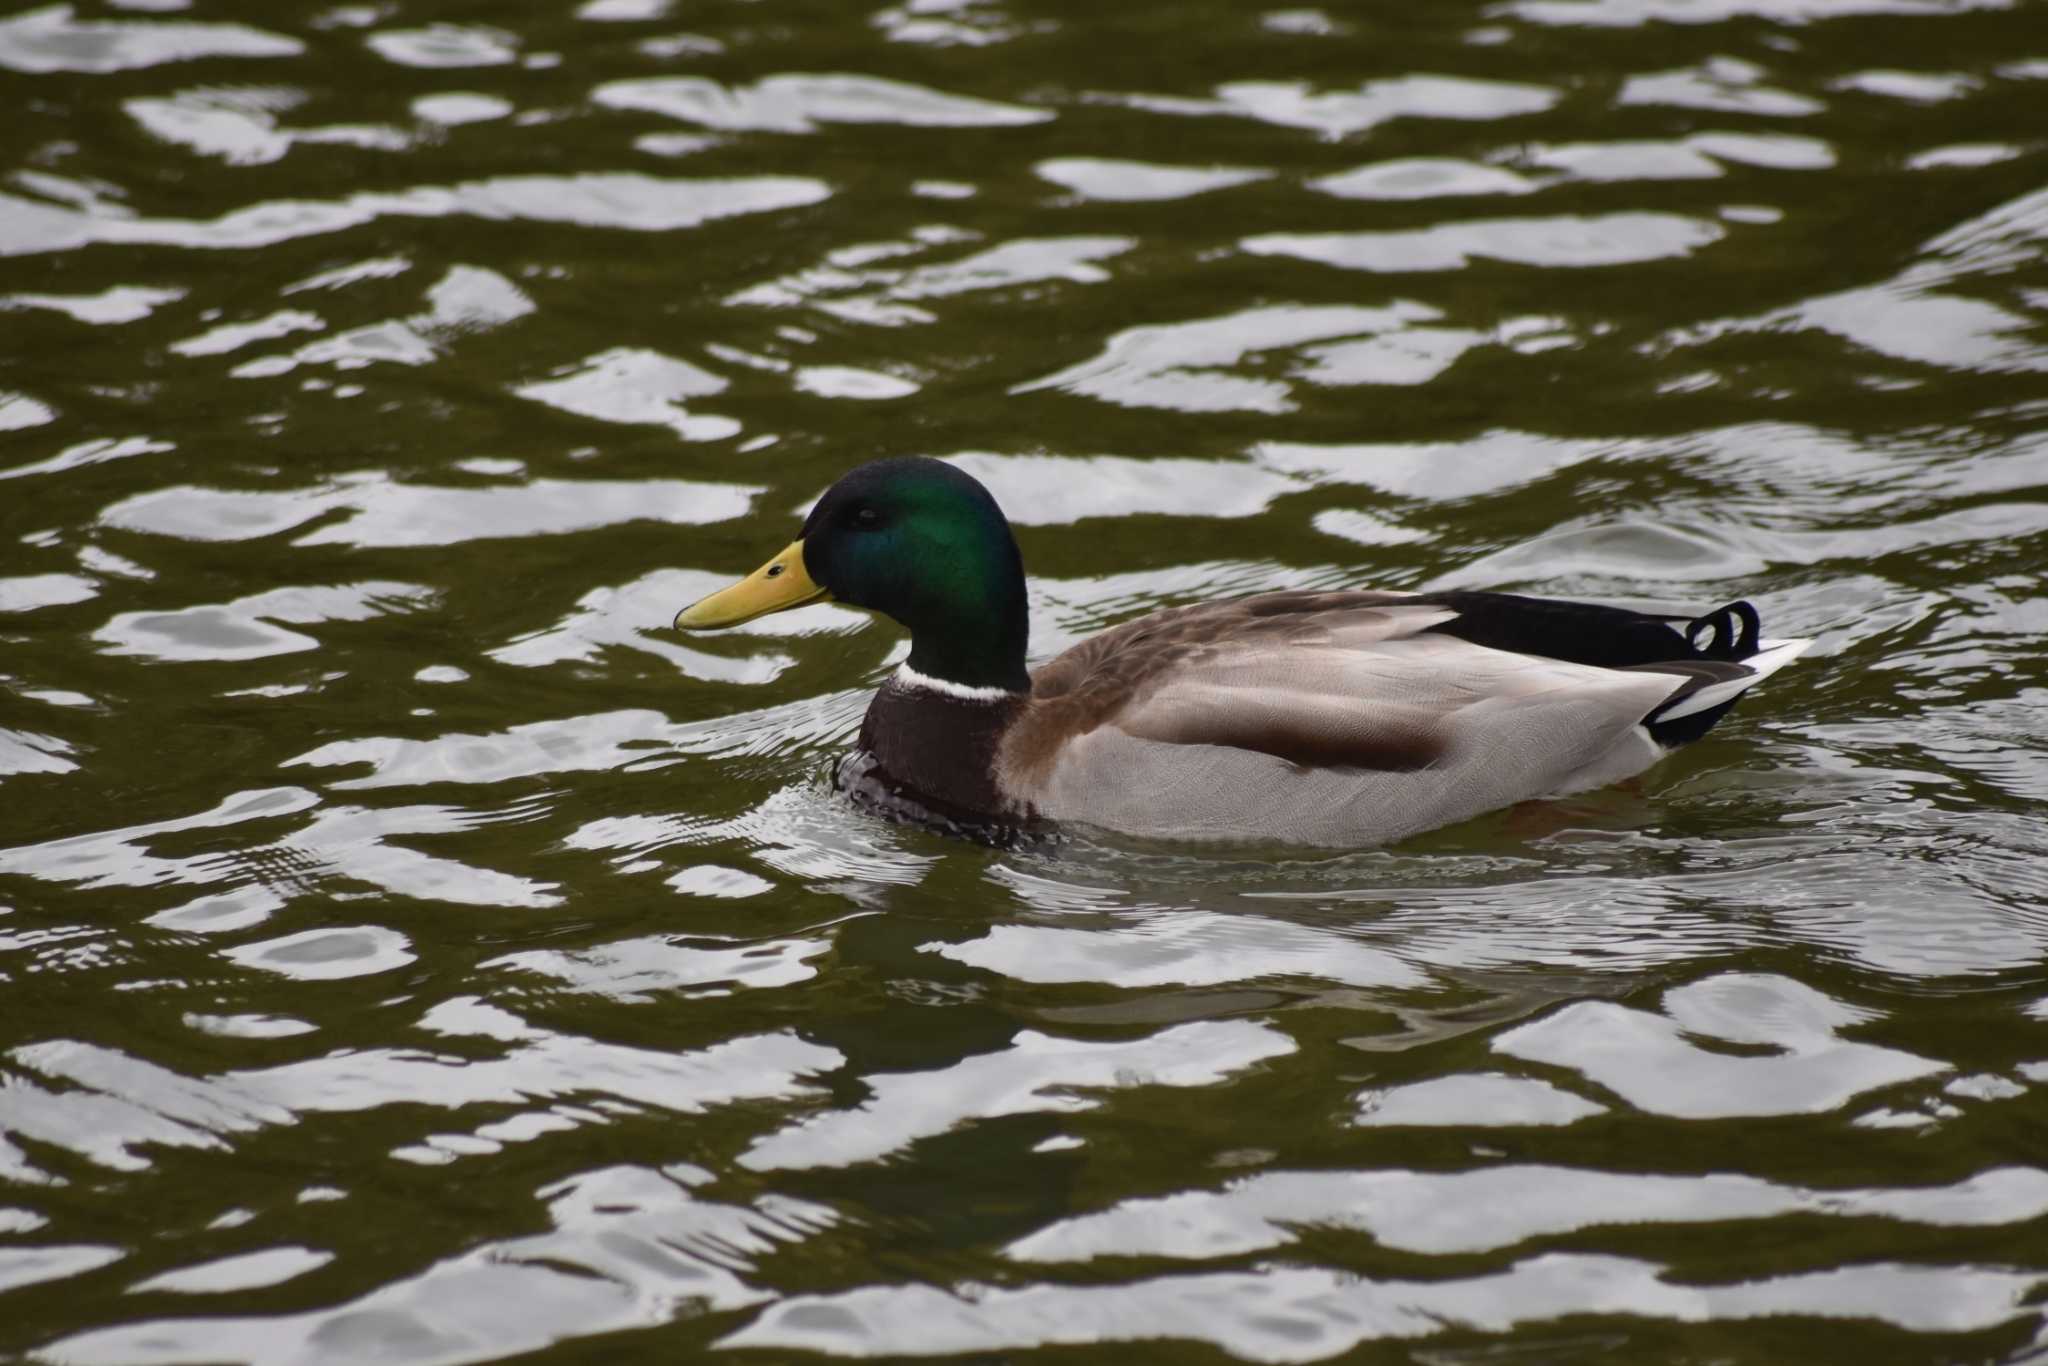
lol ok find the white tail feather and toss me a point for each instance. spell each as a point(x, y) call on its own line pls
point(1771, 656)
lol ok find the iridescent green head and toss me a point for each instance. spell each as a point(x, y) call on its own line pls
point(915, 540)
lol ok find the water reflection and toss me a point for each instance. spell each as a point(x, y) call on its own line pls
point(415, 951)
point(1333, 114)
point(1178, 946)
point(1648, 1061)
point(318, 955)
point(382, 513)
point(1484, 1099)
point(1037, 1072)
point(799, 103)
point(629, 970)
point(625, 385)
point(1497, 1208)
point(248, 1271)
point(854, 285)
point(247, 629)
point(1909, 318)
point(1141, 181)
point(112, 1107)
point(631, 1246)
point(1293, 1313)
point(51, 39)
point(1193, 366)
point(620, 200)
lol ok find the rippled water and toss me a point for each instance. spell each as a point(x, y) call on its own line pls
point(411, 950)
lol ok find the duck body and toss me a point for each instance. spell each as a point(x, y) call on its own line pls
point(1338, 719)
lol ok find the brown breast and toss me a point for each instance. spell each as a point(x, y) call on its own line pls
point(941, 749)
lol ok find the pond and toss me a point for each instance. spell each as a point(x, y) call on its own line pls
point(414, 950)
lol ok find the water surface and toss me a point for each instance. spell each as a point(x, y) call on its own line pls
point(411, 950)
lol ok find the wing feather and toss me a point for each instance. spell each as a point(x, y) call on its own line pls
point(1336, 745)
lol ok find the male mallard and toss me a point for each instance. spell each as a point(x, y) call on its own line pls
point(1340, 718)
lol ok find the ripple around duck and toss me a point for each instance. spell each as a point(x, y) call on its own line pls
point(627, 970)
point(1179, 947)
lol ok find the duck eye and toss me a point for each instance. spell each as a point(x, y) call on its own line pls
point(867, 517)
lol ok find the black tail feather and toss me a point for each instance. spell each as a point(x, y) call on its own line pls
point(1734, 632)
point(1707, 650)
point(1591, 633)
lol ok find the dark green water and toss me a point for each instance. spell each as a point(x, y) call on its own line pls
point(411, 951)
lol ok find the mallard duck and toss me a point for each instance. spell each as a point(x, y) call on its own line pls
point(1340, 718)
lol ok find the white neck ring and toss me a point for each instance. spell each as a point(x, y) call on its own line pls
point(911, 678)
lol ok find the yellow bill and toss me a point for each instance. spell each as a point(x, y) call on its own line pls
point(776, 586)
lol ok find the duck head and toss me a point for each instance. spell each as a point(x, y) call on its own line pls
point(918, 541)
